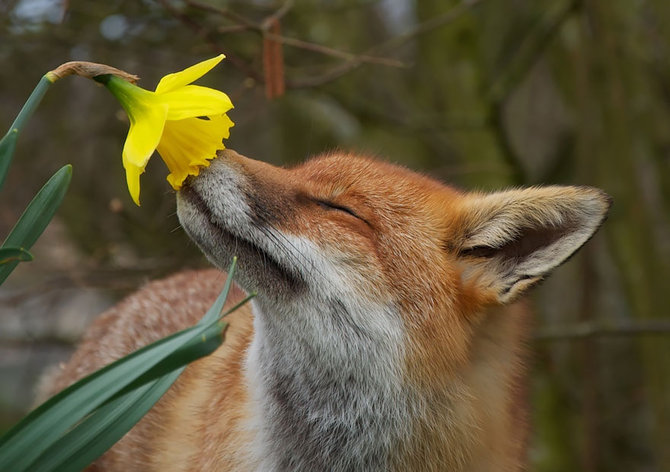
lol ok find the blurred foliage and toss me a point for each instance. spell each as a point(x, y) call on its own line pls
point(489, 93)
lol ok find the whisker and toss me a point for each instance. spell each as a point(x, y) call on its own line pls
point(283, 238)
point(282, 248)
point(283, 243)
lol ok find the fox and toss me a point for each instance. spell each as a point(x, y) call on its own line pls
point(383, 335)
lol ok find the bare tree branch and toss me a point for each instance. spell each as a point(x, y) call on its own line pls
point(245, 24)
point(326, 51)
point(602, 329)
point(392, 43)
point(352, 61)
point(209, 39)
point(225, 12)
point(278, 15)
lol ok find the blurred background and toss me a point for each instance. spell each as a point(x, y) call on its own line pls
point(482, 94)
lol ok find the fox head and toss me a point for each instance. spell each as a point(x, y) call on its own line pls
point(373, 285)
point(382, 231)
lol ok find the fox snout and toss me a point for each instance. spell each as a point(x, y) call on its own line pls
point(220, 212)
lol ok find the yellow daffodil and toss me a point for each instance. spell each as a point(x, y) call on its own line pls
point(185, 123)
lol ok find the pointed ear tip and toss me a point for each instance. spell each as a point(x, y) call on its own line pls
point(608, 199)
point(604, 199)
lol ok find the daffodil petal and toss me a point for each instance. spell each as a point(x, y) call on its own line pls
point(179, 79)
point(192, 100)
point(188, 145)
point(146, 129)
point(133, 180)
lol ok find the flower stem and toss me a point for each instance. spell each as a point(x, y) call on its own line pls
point(8, 142)
point(32, 103)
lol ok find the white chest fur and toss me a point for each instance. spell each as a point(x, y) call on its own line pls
point(325, 378)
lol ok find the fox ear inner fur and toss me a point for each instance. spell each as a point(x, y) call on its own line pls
point(512, 239)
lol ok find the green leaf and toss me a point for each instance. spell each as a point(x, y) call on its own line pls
point(37, 215)
point(100, 430)
point(7, 146)
point(215, 312)
point(47, 423)
point(14, 254)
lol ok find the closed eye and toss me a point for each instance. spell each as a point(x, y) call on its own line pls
point(332, 206)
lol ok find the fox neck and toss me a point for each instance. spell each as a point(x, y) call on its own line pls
point(329, 393)
point(325, 379)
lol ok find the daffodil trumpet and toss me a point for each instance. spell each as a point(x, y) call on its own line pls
point(185, 123)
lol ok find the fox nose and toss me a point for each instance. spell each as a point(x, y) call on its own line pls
point(187, 183)
point(225, 153)
point(222, 155)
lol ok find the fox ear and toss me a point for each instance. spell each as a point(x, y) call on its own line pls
point(509, 240)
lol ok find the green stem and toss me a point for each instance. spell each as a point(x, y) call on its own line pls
point(32, 103)
point(8, 142)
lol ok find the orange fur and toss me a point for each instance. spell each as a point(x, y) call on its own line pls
point(387, 242)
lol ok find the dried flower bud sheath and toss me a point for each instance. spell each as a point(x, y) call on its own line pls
point(90, 70)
